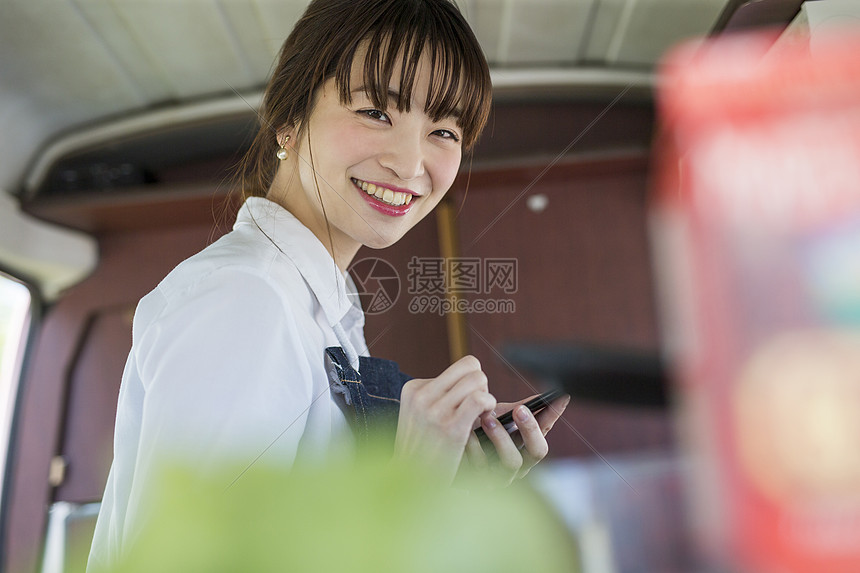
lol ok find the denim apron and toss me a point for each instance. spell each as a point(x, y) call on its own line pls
point(372, 393)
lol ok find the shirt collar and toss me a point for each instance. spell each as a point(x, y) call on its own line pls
point(335, 292)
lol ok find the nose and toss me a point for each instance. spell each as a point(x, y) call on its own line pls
point(404, 156)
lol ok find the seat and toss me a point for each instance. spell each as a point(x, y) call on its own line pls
point(70, 533)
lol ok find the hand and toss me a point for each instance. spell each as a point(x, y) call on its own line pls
point(516, 453)
point(437, 415)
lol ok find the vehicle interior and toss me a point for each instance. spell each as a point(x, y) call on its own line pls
point(122, 122)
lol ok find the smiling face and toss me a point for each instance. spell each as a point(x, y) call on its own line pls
point(375, 173)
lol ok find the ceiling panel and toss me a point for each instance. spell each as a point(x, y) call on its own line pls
point(544, 31)
point(43, 47)
point(259, 50)
point(604, 27)
point(44, 43)
point(108, 27)
point(73, 64)
point(485, 17)
point(276, 20)
point(653, 26)
point(186, 45)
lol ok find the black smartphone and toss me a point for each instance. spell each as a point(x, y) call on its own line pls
point(535, 405)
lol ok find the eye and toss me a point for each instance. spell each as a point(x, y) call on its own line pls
point(447, 134)
point(375, 114)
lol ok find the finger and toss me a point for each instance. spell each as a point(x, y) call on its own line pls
point(533, 439)
point(476, 455)
point(505, 407)
point(510, 460)
point(475, 381)
point(549, 416)
point(455, 372)
point(412, 387)
point(472, 406)
point(426, 392)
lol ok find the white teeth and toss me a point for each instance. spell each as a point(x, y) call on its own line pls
point(395, 198)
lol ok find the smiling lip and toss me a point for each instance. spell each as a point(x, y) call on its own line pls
point(380, 205)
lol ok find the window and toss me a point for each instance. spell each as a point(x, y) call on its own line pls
point(15, 306)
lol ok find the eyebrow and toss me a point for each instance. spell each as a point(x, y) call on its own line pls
point(395, 95)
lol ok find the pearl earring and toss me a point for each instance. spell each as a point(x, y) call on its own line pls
point(282, 152)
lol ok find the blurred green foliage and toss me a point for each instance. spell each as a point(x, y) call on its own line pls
point(373, 516)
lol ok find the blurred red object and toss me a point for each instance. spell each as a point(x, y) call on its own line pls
point(757, 241)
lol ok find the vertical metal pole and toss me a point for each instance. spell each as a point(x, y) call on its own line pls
point(449, 247)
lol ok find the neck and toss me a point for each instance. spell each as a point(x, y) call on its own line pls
point(343, 254)
point(341, 247)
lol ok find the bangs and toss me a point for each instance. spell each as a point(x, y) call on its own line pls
point(396, 37)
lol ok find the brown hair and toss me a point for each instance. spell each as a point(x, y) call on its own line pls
point(322, 45)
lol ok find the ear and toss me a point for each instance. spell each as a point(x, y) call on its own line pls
point(285, 135)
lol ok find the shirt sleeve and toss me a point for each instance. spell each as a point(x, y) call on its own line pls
point(226, 379)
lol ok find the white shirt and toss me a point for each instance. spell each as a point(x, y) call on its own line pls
point(227, 362)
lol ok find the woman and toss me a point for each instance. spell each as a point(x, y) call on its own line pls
point(254, 348)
